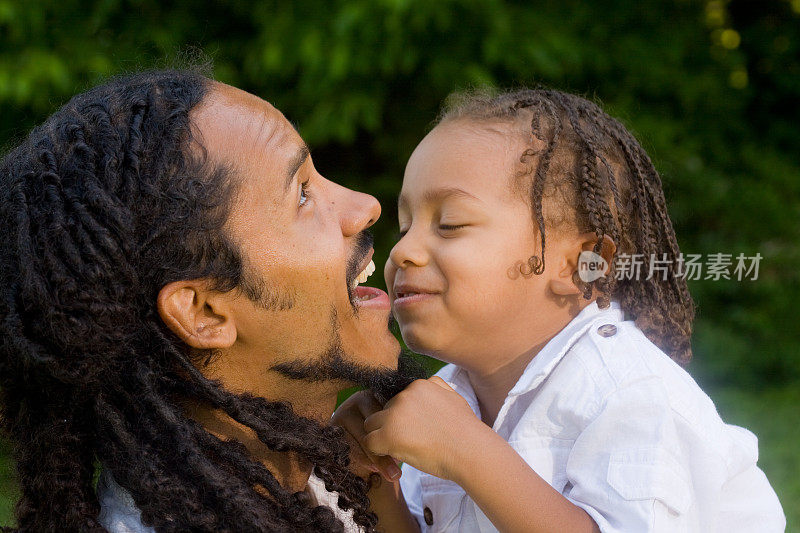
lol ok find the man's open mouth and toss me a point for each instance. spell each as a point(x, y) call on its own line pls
point(364, 293)
point(362, 296)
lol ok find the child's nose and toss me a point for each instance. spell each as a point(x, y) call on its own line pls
point(408, 251)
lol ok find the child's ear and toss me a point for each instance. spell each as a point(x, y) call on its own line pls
point(607, 248)
point(567, 281)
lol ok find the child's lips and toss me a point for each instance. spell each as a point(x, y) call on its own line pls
point(405, 301)
point(408, 293)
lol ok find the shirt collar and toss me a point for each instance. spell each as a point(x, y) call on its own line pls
point(547, 358)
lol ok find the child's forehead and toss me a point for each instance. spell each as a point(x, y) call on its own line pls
point(499, 142)
point(457, 165)
point(497, 130)
point(434, 195)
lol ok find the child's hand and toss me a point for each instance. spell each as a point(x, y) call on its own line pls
point(426, 425)
point(350, 416)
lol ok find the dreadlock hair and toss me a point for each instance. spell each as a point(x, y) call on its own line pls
point(101, 206)
point(607, 185)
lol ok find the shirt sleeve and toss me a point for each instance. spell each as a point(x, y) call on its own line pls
point(748, 501)
point(412, 492)
point(627, 468)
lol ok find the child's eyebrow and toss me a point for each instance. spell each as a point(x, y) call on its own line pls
point(438, 195)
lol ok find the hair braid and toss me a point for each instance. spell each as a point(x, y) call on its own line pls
point(601, 218)
point(545, 158)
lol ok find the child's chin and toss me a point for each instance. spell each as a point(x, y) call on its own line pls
point(418, 342)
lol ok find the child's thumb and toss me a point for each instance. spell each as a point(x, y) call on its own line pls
point(389, 467)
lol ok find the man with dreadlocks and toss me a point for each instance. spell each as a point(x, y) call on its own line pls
point(179, 308)
point(564, 406)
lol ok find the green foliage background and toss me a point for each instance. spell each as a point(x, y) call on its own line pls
point(711, 88)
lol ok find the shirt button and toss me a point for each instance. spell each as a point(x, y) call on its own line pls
point(607, 330)
point(428, 514)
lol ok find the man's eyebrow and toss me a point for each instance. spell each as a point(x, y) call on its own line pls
point(295, 163)
point(434, 195)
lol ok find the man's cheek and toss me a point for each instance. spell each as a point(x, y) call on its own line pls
point(300, 331)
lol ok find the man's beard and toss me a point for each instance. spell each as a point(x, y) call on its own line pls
point(335, 364)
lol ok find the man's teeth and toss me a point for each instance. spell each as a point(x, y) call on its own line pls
point(366, 273)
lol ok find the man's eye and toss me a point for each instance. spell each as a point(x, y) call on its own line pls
point(304, 193)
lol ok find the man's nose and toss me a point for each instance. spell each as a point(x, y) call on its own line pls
point(357, 210)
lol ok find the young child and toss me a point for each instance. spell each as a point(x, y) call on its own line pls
point(564, 406)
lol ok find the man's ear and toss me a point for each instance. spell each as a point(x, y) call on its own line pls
point(567, 281)
point(196, 315)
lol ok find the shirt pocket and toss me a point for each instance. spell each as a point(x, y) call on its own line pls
point(650, 474)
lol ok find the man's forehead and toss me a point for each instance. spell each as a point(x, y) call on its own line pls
point(235, 110)
point(245, 132)
point(230, 95)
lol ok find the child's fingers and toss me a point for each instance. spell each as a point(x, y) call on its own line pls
point(388, 467)
point(374, 440)
point(442, 383)
point(374, 421)
point(354, 425)
point(385, 464)
point(367, 404)
point(360, 462)
point(370, 462)
point(376, 443)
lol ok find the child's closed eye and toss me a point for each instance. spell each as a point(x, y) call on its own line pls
point(451, 227)
point(443, 227)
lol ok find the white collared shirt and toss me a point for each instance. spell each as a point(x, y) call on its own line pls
point(622, 431)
